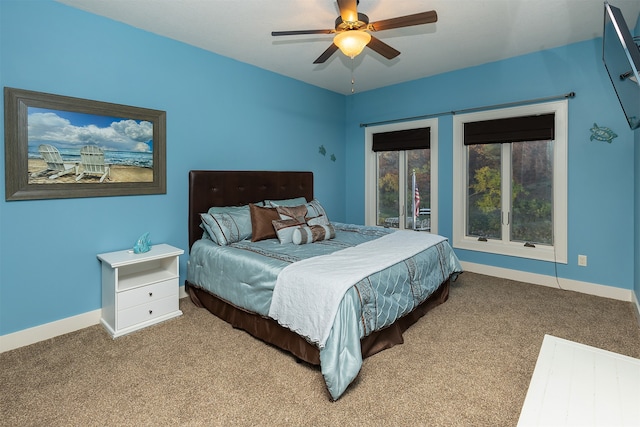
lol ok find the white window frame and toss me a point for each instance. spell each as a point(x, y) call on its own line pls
point(557, 252)
point(371, 163)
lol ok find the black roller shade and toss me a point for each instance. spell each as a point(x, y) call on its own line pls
point(400, 140)
point(513, 129)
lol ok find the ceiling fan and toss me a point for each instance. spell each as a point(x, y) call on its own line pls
point(352, 31)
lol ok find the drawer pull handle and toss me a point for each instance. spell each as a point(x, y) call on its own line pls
point(150, 311)
point(150, 294)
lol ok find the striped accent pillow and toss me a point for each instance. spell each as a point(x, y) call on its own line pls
point(315, 233)
point(285, 228)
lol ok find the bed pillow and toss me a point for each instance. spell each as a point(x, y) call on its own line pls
point(315, 209)
point(286, 202)
point(292, 212)
point(306, 234)
point(318, 220)
point(227, 225)
point(314, 212)
point(261, 225)
point(285, 227)
point(227, 209)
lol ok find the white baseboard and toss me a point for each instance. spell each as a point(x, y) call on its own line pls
point(551, 281)
point(49, 330)
point(53, 329)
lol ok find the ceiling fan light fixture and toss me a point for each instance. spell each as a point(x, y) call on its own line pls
point(352, 42)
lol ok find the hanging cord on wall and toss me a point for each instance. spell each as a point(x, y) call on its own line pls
point(471, 110)
point(555, 255)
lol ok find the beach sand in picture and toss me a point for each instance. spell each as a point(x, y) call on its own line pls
point(118, 173)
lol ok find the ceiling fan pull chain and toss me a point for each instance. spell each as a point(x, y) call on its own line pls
point(353, 80)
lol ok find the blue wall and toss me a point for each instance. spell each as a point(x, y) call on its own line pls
point(601, 175)
point(221, 114)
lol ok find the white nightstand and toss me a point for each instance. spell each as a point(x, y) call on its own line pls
point(139, 290)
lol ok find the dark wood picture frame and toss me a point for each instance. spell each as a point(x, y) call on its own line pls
point(19, 183)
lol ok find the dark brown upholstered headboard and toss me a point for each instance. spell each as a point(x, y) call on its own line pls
point(237, 188)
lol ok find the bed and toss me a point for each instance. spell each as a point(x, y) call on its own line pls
point(247, 297)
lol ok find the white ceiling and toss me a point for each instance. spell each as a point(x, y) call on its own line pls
point(468, 33)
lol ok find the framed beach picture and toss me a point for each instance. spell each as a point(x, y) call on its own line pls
point(63, 147)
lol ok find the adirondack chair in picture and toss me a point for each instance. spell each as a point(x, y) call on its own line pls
point(54, 161)
point(92, 162)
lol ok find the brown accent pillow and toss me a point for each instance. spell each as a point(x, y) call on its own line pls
point(261, 225)
point(292, 212)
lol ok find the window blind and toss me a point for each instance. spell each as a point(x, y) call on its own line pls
point(513, 129)
point(400, 140)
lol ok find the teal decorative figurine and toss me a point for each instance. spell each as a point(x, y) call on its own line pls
point(143, 244)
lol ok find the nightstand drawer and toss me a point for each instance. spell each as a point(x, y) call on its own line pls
point(149, 311)
point(147, 294)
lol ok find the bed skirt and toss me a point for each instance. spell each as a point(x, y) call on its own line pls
point(270, 331)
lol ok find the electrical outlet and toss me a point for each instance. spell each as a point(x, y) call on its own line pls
point(582, 260)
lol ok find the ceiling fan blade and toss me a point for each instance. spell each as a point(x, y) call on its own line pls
point(326, 54)
point(301, 32)
point(348, 10)
point(405, 21)
point(382, 48)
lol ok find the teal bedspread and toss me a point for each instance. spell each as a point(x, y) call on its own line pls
point(245, 274)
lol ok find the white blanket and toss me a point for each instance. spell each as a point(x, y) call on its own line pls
point(307, 293)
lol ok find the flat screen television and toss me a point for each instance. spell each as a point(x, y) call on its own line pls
point(621, 58)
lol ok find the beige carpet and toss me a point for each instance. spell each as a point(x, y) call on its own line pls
point(466, 363)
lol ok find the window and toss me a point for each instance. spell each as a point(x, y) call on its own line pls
point(401, 175)
point(510, 181)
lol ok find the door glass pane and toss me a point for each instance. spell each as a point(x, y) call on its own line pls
point(418, 192)
point(388, 197)
point(484, 191)
point(532, 192)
